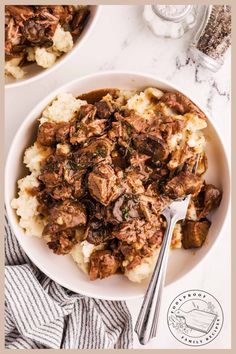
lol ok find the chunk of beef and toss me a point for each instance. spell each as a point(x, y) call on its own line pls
point(62, 242)
point(121, 132)
point(183, 184)
point(104, 184)
point(63, 132)
point(86, 126)
point(98, 233)
point(40, 30)
point(46, 202)
point(74, 174)
point(50, 133)
point(137, 230)
point(61, 192)
point(63, 13)
point(65, 215)
point(126, 249)
point(84, 130)
point(79, 187)
point(156, 239)
point(133, 182)
point(138, 123)
point(104, 109)
point(94, 152)
point(152, 205)
point(102, 265)
point(79, 20)
point(181, 104)
point(195, 233)
point(47, 134)
point(125, 208)
point(152, 146)
point(52, 171)
point(87, 112)
point(208, 200)
point(139, 166)
point(164, 127)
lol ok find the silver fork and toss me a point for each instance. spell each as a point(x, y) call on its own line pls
point(146, 325)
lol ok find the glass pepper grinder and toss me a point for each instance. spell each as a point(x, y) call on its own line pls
point(213, 37)
point(170, 21)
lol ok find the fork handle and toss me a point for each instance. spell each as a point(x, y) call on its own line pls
point(146, 325)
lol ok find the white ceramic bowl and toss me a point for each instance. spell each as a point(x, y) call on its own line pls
point(61, 268)
point(34, 71)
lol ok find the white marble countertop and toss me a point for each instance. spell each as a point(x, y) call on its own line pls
point(121, 40)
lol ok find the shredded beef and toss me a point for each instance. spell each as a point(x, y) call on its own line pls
point(47, 134)
point(111, 173)
point(181, 104)
point(102, 265)
point(104, 109)
point(103, 184)
point(62, 242)
point(208, 200)
point(65, 215)
point(183, 184)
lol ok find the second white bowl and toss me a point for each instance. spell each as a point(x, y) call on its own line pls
point(34, 71)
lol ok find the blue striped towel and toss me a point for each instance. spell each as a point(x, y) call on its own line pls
point(40, 313)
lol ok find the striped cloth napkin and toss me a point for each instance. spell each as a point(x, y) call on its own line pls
point(40, 313)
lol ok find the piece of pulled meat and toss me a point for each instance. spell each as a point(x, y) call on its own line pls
point(104, 109)
point(195, 233)
point(95, 151)
point(65, 215)
point(137, 230)
point(152, 146)
point(52, 171)
point(47, 134)
point(208, 200)
point(104, 184)
point(183, 184)
point(102, 265)
point(62, 242)
point(79, 21)
point(50, 133)
point(181, 104)
point(98, 233)
point(125, 208)
point(87, 125)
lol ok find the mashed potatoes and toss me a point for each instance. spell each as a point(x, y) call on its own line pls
point(26, 207)
point(143, 270)
point(82, 252)
point(62, 109)
point(12, 68)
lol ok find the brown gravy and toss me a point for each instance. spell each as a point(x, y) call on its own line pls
point(96, 95)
